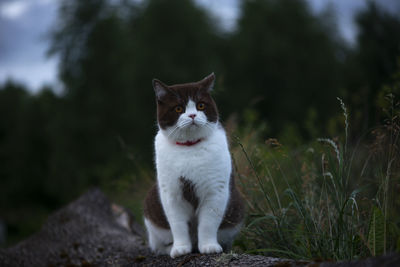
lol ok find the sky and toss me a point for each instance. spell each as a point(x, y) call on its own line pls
point(25, 24)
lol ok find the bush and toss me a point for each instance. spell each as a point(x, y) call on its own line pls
point(325, 200)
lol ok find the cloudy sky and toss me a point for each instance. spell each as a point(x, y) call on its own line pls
point(24, 26)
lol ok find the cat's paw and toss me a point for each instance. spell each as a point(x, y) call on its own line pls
point(210, 248)
point(180, 250)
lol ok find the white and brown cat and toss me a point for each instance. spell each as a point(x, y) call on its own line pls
point(194, 204)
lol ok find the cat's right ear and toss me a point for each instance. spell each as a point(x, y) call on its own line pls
point(159, 88)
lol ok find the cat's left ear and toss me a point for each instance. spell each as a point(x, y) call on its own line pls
point(208, 82)
point(159, 88)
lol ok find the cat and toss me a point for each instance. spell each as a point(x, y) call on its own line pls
point(194, 206)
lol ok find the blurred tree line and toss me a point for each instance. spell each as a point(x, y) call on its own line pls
point(281, 65)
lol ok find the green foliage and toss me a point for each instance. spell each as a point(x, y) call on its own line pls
point(376, 232)
point(320, 200)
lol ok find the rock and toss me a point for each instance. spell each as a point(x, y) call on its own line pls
point(91, 231)
point(82, 233)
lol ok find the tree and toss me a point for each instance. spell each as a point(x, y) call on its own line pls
point(283, 63)
point(372, 63)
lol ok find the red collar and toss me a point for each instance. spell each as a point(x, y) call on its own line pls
point(188, 143)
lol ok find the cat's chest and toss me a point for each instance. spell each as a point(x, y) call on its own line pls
point(208, 158)
point(181, 157)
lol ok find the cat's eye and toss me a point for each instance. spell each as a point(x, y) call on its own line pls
point(201, 106)
point(178, 109)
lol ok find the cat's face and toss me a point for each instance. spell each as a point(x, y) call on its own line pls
point(186, 112)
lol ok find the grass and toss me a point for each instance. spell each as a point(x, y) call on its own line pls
point(324, 200)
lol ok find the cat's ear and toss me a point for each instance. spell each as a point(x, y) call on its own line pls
point(159, 88)
point(208, 82)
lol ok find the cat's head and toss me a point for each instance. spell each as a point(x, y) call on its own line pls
point(186, 112)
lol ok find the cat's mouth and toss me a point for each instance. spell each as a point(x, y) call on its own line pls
point(191, 124)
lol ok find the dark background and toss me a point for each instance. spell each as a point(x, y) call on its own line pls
point(282, 65)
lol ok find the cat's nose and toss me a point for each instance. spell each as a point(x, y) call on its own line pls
point(192, 116)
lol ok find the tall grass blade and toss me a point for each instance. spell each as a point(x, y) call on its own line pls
point(376, 232)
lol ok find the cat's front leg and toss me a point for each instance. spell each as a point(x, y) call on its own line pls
point(180, 232)
point(178, 214)
point(210, 216)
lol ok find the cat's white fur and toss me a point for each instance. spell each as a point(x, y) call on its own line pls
point(207, 165)
point(160, 240)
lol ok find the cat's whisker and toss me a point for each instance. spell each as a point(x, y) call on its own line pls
point(176, 133)
point(183, 125)
point(172, 132)
point(209, 127)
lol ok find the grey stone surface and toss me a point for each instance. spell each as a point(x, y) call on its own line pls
point(93, 232)
point(83, 232)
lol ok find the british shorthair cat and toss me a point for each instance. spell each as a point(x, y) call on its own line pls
point(194, 205)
